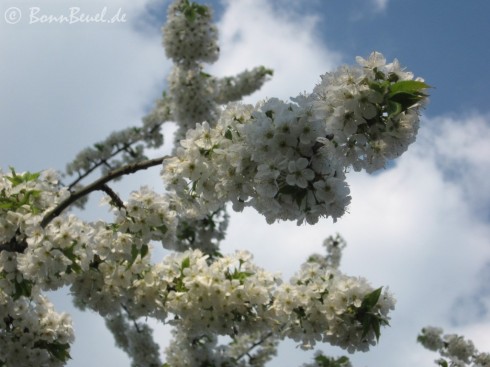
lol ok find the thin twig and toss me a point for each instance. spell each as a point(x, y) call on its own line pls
point(256, 344)
point(136, 326)
point(98, 185)
point(101, 162)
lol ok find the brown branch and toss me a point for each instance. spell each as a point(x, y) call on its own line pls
point(96, 165)
point(98, 185)
point(119, 149)
point(114, 197)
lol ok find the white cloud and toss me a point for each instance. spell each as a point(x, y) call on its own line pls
point(380, 5)
point(67, 85)
point(253, 33)
point(463, 152)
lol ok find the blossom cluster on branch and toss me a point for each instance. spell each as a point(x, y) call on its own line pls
point(288, 159)
point(455, 350)
point(107, 266)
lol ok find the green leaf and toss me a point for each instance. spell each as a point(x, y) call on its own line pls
point(407, 93)
point(134, 254)
point(7, 204)
point(322, 361)
point(371, 299)
point(22, 288)
point(238, 275)
point(375, 324)
point(189, 14)
point(228, 134)
point(343, 360)
point(408, 86)
point(407, 100)
point(58, 350)
point(379, 87)
point(186, 263)
point(379, 74)
point(191, 10)
point(31, 176)
point(144, 250)
point(394, 108)
point(19, 179)
point(201, 9)
point(99, 147)
point(68, 252)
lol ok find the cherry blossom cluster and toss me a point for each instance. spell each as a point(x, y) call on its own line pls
point(108, 265)
point(136, 340)
point(190, 39)
point(247, 160)
point(23, 197)
point(31, 332)
point(288, 160)
point(233, 88)
point(334, 246)
point(204, 234)
point(245, 350)
point(455, 349)
point(192, 98)
point(232, 296)
point(32, 259)
point(325, 305)
point(371, 111)
point(189, 35)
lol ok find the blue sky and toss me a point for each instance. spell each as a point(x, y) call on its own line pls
point(420, 227)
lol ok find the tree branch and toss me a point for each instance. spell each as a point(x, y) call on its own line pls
point(256, 344)
point(119, 147)
point(99, 185)
point(97, 165)
point(114, 197)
